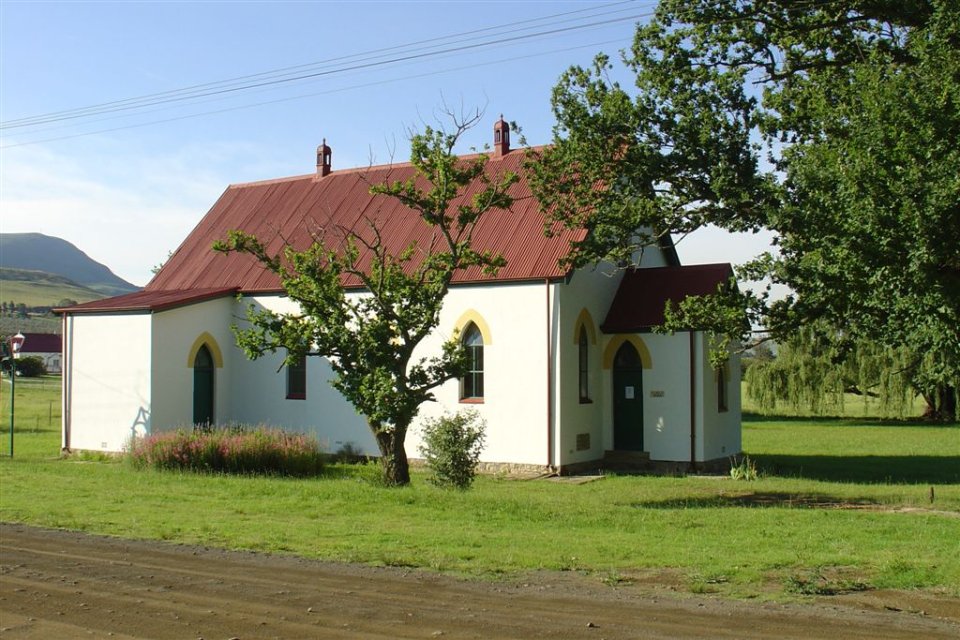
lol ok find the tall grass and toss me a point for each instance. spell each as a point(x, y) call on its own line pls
point(260, 451)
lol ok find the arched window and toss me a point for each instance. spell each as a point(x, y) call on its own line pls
point(297, 379)
point(471, 385)
point(721, 389)
point(203, 387)
point(583, 344)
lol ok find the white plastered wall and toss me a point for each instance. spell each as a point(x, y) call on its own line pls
point(175, 333)
point(666, 397)
point(666, 416)
point(515, 362)
point(114, 395)
point(720, 431)
point(667, 401)
point(258, 393)
point(515, 368)
point(591, 290)
point(107, 388)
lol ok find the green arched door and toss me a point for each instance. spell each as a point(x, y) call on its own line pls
point(203, 387)
point(627, 399)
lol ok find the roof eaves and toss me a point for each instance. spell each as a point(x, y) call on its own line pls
point(553, 279)
point(146, 302)
point(231, 291)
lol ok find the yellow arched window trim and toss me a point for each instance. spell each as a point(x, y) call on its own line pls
point(611, 351)
point(206, 339)
point(471, 315)
point(585, 320)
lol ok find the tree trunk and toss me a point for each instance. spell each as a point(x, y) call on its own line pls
point(393, 457)
point(948, 403)
point(941, 404)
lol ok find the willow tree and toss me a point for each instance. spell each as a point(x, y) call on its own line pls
point(809, 375)
point(854, 105)
point(370, 335)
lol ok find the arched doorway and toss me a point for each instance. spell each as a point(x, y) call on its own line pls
point(627, 399)
point(203, 386)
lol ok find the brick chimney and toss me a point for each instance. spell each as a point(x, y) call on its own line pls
point(323, 159)
point(501, 138)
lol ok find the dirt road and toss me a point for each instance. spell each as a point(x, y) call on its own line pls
point(56, 584)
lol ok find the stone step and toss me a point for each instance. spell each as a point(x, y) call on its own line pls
point(626, 461)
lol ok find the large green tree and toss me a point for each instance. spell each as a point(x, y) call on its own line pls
point(370, 335)
point(834, 124)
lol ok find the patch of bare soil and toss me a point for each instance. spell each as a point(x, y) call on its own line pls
point(57, 584)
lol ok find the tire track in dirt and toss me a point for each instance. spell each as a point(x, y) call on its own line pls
point(57, 584)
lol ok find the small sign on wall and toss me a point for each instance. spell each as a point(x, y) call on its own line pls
point(657, 393)
point(628, 393)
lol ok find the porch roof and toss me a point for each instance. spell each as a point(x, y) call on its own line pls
point(643, 293)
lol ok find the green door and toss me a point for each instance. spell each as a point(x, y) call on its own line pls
point(627, 400)
point(203, 387)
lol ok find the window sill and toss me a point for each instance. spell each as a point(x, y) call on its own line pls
point(296, 396)
point(586, 401)
point(471, 400)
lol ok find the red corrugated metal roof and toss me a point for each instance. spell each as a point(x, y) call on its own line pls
point(150, 300)
point(41, 343)
point(294, 209)
point(643, 293)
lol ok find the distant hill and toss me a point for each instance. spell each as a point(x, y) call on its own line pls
point(34, 324)
point(57, 257)
point(42, 289)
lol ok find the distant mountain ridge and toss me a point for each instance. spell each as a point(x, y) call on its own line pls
point(41, 253)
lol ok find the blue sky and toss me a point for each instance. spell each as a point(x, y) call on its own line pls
point(127, 186)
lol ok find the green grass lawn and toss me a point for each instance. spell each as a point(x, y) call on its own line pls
point(866, 451)
point(37, 406)
point(841, 504)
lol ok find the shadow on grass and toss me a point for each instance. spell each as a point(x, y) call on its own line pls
point(760, 499)
point(845, 421)
point(865, 469)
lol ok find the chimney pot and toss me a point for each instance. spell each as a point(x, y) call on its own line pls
point(501, 138)
point(323, 159)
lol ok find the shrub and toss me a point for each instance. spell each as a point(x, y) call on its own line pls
point(29, 366)
point(452, 446)
point(350, 453)
point(230, 450)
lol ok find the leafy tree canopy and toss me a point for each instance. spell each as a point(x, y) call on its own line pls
point(834, 124)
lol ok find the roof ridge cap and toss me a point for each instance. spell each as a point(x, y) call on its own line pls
point(377, 167)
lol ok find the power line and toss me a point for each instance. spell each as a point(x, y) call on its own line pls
point(146, 110)
point(360, 61)
point(303, 96)
point(354, 62)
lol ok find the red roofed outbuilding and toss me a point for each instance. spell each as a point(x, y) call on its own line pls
point(46, 346)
